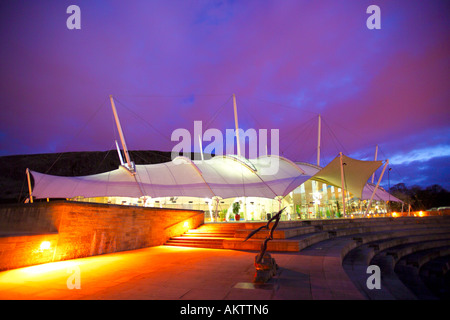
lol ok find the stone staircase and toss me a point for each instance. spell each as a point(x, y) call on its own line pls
point(205, 236)
point(294, 236)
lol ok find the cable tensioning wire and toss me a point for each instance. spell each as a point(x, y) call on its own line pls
point(282, 105)
point(216, 114)
point(138, 117)
point(142, 119)
point(334, 135)
point(146, 122)
point(79, 131)
point(306, 128)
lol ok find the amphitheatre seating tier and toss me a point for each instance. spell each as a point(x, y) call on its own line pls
point(344, 248)
point(402, 253)
point(436, 276)
point(298, 235)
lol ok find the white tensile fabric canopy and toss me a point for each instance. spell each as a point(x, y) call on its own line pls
point(380, 194)
point(356, 173)
point(222, 176)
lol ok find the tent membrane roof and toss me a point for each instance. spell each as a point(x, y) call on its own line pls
point(221, 176)
point(224, 177)
point(356, 173)
point(380, 194)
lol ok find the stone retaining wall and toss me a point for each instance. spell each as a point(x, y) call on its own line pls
point(77, 229)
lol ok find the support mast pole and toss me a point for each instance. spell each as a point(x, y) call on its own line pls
point(376, 154)
point(376, 187)
point(342, 183)
point(119, 128)
point(216, 214)
point(201, 146)
point(237, 125)
point(318, 143)
point(29, 184)
point(120, 155)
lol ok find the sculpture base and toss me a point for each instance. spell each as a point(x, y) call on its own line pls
point(266, 269)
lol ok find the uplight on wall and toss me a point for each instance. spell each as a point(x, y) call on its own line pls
point(45, 245)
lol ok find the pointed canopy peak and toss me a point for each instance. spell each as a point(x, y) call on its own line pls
point(356, 173)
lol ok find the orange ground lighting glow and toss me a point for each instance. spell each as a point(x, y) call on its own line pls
point(154, 273)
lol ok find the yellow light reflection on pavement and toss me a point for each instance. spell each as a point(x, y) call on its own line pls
point(110, 275)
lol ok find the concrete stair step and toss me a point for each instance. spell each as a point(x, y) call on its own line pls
point(297, 235)
point(197, 239)
point(385, 244)
point(221, 226)
point(210, 235)
point(280, 245)
point(195, 245)
point(279, 233)
point(200, 242)
point(386, 236)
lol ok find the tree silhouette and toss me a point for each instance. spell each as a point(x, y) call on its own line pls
point(433, 196)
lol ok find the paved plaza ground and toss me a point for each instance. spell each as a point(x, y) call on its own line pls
point(198, 278)
point(175, 273)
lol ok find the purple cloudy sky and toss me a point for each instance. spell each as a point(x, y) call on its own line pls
point(169, 63)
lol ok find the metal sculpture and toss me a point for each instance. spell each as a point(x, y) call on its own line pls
point(265, 265)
